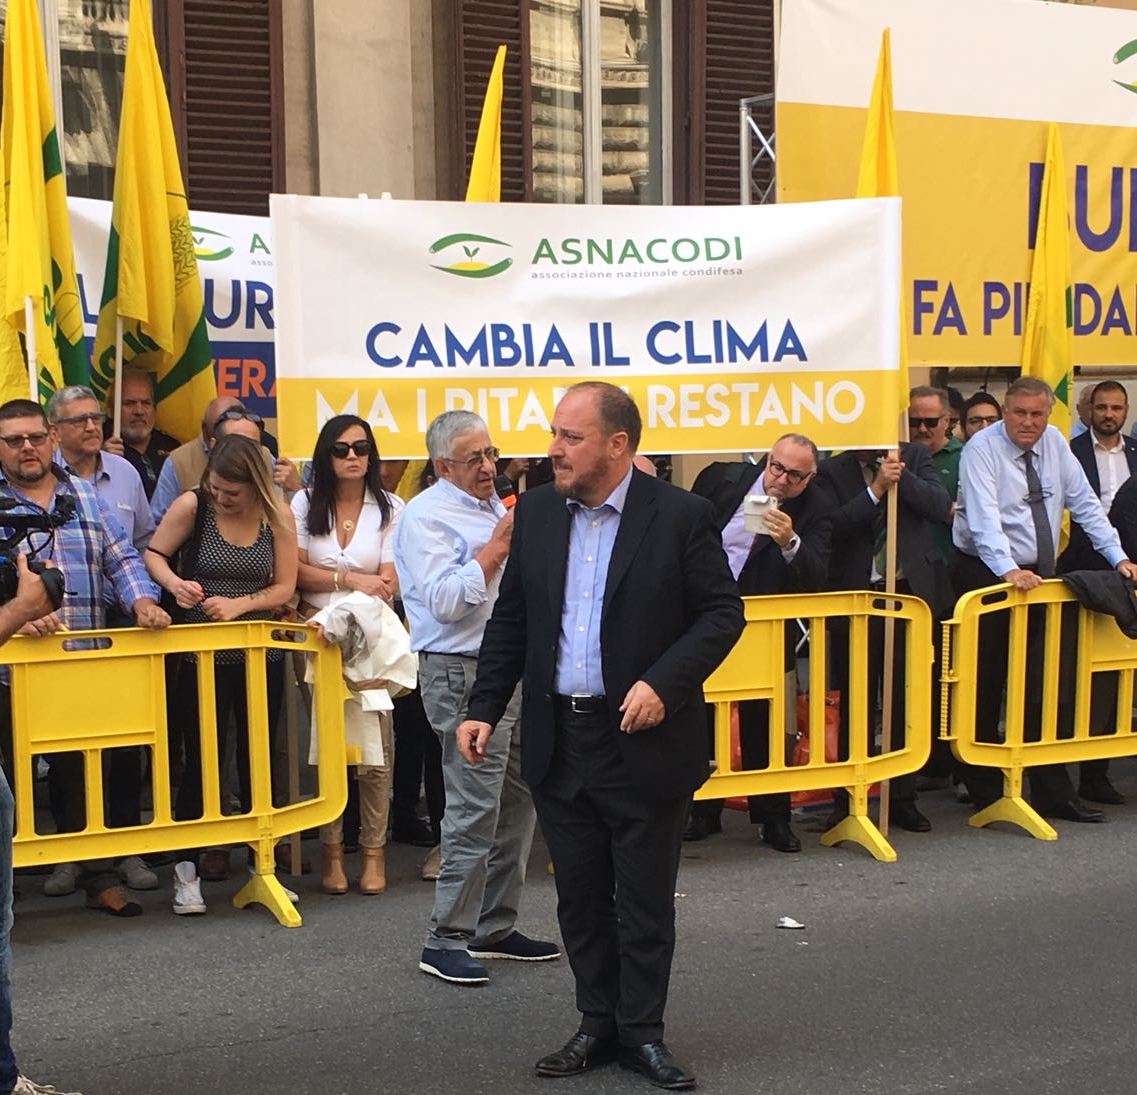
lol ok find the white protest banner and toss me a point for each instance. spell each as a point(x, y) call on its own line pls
point(729, 326)
point(234, 256)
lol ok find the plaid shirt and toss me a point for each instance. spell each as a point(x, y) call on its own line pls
point(100, 565)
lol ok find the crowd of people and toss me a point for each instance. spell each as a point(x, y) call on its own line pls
point(584, 621)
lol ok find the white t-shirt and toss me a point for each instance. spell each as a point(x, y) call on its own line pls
point(369, 547)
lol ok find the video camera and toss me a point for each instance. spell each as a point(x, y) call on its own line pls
point(17, 527)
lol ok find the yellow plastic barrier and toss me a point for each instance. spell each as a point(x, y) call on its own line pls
point(1101, 648)
point(91, 691)
point(755, 670)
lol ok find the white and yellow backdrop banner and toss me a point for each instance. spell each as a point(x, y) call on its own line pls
point(730, 326)
point(975, 85)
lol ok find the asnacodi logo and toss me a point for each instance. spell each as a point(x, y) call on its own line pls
point(1123, 54)
point(210, 245)
point(471, 255)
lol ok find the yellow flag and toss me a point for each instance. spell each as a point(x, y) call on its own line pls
point(151, 277)
point(485, 170)
point(878, 176)
point(1048, 343)
point(14, 383)
point(39, 261)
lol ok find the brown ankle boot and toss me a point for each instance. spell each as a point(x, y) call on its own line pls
point(374, 877)
point(332, 877)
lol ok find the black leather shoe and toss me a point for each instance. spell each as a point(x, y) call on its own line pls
point(780, 836)
point(1073, 810)
point(907, 817)
point(1101, 790)
point(699, 827)
point(838, 814)
point(415, 832)
point(654, 1060)
point(580, 1053)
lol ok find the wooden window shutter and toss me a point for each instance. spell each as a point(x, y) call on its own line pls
point(483, 25)
point(226, 95)
point(739, 59)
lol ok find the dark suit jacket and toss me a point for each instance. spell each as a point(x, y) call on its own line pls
point(1079, 553)
point(671, 614)
point(923, 502)
point(1123, 516)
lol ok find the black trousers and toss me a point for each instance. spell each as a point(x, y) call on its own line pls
point(418, 762)
point(754, 743)
point(1049, 783)
point(616, 858)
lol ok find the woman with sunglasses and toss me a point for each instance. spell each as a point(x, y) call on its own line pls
point(240, 565)
point(345, 527)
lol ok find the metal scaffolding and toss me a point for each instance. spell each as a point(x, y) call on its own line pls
point(756, 159)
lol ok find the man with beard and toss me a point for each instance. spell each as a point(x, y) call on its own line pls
point(615, 607)
point(144, 446)
point(980, 411)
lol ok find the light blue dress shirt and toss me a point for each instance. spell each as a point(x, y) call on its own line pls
point(993, 518)
point(447, 599)
point(119, 486)
point(592, 535)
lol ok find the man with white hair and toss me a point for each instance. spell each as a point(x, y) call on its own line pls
point(450, 550)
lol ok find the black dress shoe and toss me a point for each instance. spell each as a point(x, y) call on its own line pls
point(907, 817)
point(780, 836)
point(699, 827)
point(654, 1060)
point(580, 1053)
point(838, 814)
point(1073, 810)
point(413, 831)
point(1101, 790)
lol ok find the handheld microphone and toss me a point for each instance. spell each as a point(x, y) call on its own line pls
point(506, 491)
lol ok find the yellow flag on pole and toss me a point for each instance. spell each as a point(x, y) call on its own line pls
point(39, 261)
point(1048, 343)
point(14, 383)
point(485, 170)
point(878, 176)
point(151, 277)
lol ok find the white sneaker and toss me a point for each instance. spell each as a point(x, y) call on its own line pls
point(187, 890)
point(24, 1086)
point(61, 881)
point(136, 874)
point(292, 895)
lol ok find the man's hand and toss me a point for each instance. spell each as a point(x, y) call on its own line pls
point(44, 626)
point(473, 738)
point(642, 708)
point(888, 473)
point(1026, 580)
point(1127, 570)
point(503, 531)
point(780, 525)
point(31, 601)
point(113, 444)
point(149, 614)
point(285, 475)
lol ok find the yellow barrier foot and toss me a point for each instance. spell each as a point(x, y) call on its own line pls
point(266, 890)
point(1017, 811)
point(860, 830)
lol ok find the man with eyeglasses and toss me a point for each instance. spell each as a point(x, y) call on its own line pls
point(451, 548)
point(980, 411)
point(1015, 480)
point(100, 568)
point(77, 424)
point(791, 557)
point(144, 446)
point(860, 482)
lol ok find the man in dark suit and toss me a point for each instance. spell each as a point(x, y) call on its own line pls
point(1109, 459)
point(615, 607)
point(860, 482)
point(792, 557)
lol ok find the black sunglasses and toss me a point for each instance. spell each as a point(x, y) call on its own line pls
point(340, 449)
point(927, 423)
point(235, 413)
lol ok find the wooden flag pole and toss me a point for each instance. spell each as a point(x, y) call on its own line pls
point(30, 347)
point(118, 376)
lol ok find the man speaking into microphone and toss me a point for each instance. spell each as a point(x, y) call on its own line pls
point(615, 607)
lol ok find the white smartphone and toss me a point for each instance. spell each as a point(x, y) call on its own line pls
point(754, 515)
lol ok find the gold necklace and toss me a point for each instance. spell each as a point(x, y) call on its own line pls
point(348, 526)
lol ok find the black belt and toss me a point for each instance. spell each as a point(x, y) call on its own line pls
point(581, 705)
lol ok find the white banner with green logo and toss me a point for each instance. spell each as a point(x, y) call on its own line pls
point(730, 326)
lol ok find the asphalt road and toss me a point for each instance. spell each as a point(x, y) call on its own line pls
point(982, 962)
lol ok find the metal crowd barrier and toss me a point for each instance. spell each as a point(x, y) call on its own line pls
point(755, 670)
point(1101, 648)
point(93, 691)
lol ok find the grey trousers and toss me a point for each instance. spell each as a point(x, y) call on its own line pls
point(487, 829)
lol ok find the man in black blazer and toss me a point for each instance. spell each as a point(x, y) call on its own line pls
point(615, 607)
point(793, 557)
point(1109, 459)
point(859, 481)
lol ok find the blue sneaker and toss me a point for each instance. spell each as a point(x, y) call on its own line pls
point(518, 947)
point(457, 967)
